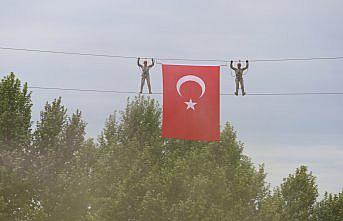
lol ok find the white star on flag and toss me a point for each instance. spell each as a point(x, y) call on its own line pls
point(190, 104)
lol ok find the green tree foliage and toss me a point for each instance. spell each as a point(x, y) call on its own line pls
point(16, 190)
point(49, 133)
point(74, 134)
point(140, 176)
point(15, 114)
point(131, 173)
point(330, 208)
point(293, 200)
point(69, 197)
point(61, 173)
point(271, 208)
point(299, 192)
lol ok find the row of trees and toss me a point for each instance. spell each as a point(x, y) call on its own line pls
point(54, 173)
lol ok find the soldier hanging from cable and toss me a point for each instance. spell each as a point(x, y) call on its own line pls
point(239, 75)
point(145, 73)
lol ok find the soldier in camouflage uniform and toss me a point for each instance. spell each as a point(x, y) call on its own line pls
point(239, 76)
point(145, 73)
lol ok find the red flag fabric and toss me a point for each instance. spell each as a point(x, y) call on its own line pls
point(191, 102)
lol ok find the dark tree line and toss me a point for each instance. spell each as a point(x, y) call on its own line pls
point(53, 173)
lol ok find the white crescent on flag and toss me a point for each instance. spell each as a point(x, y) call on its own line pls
point(193, 78)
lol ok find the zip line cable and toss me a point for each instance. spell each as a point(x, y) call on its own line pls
point(160, 93)
point(167, 59)
point(85, 90)
point(174, 59)
point(67, 53)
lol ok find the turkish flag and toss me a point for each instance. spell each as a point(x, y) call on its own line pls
point(191, 102)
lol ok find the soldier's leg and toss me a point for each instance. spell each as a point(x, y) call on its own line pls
point(148, 81)
point(142, 83)
point(242, 86)
point(237, 86)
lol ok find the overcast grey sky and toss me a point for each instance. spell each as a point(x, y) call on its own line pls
point(282, 132)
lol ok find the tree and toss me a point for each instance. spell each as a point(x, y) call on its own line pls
point(72, 200)
point(140, 176)
point(15, 114)
point(17, 196)
point(293, 200)
point(49, 133)
point(73, 135)
point(59, 142)
point(299, 193)
point(109, 135)
point(271, 207)
point(330, 208)
point(140, 122)
point(132, 173)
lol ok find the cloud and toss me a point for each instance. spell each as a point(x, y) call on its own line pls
point(324, 161)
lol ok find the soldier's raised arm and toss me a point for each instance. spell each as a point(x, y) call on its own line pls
point(152, 63)
point(232, 67)
point(246, 65)
point(138, 62)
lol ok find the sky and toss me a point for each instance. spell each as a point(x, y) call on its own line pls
point(283, 132)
